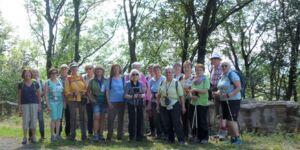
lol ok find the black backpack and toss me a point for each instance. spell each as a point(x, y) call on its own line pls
point(242, 80)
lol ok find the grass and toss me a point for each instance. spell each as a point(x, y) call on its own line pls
point(11, 127)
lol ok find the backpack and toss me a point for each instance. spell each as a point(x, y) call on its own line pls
point(34, 83)
point(242, 80)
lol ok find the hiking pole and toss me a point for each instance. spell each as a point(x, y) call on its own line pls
point(229, 110)
point(195, 120)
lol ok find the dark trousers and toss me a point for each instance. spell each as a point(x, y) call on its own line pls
point(41, 124)
point(151, 124)
point(171, 120)
point(157, 120)
point(202, 130)
point(118, 110)
point(89, 112)
point(185, 120)
point(136, 120)
point(73, 105)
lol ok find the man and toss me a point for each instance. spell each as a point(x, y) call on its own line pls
point(89, 69)
point(215, 76)
point(75, 88)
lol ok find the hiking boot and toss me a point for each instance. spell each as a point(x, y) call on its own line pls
point(59, 138)
point(95, 138)
point(24, 141)
point(33, 140)
point(101, 138)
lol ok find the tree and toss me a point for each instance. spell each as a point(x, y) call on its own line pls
point(207, 16)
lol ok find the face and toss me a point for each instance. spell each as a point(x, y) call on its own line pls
point(35, 74)
point(225, 68)
point(137, 67)
point(156, 72)
point(74, 70)
point(99, 72)
point(53, 74)
point(199, 70)
point(150, 70)
point(135, 76)
point(169, 74)
point(116, 70)
point(27, 74)
point(187, 69)
point(64, 71)
point(89, 70)
point(177, 69)
point(215, 62)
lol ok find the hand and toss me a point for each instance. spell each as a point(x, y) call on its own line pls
point(48, 109)
point(40, 107)
point(110, 106)
point(157, 108)
point(194, 98)
point(183, 109)
point(20, 111)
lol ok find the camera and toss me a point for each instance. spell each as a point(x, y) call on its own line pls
point(136, 90)
point(167, 101)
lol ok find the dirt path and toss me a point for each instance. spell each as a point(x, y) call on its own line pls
point(13, 144)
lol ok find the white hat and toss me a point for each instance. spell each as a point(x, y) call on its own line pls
point(73, 64)
point(215, 56)
point(64, 66)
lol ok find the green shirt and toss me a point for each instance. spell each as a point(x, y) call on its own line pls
point(203, 98)
point(173, 94)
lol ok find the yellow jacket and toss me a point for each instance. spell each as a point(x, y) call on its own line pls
point(77, 85)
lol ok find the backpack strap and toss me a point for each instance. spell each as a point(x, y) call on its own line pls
point(230, 77)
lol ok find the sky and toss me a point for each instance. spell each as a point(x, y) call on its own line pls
point(14, 13)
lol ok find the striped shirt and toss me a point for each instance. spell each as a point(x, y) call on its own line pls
point(215, 75)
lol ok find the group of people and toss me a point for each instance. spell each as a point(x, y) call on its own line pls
point(166, 101)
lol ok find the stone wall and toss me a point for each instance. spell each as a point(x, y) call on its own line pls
point(264, 116)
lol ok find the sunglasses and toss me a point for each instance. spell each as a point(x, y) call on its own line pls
point(135, 74)
point(224, 66)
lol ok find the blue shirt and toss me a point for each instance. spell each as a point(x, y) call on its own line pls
point(55, 91)
point(155, 84)
point(226, 87)
point(116, 91)
point(28, 93)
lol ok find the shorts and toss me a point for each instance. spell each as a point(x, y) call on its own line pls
point(56, 110)
point(30, 115)
point(232, 113)
point(99, 108)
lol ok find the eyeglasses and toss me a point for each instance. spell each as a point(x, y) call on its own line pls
point(135, 74)
point(169, 72)
point(224, 66)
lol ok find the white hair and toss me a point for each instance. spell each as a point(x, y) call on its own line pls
point(168, 68)
point(134, 71)
point(136, 64)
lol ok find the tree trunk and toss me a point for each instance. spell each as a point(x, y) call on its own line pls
point(76, 4)
point(185, 43)
point(292, 82)
point(51, 36)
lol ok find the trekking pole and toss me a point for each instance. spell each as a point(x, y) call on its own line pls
point(195, 120)
point(229, 110)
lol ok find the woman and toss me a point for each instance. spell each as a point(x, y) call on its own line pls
point(154, 83)
point(54, 99)
point(186, 82)
point(75, 88)
point(199, 105)
point(134, 94)
point(29, 101)
point(170, 96)
point(230, 96)
point(96, 92)
point(116, 103)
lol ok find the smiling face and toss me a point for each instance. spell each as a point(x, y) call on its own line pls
point(156, 71)
point(177, 69)
point(169, 74)
point(225, 67)
point(215, 61)
point(53, 74)
point(74, 70)
point(64, 71)
point(134, 76)
point(187, 69)
point(99, 72)
point(199, 70)
point(89, 70)
point(27, 75)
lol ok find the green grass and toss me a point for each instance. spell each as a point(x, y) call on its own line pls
point(11, 127)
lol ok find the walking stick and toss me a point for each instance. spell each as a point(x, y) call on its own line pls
point(195, 120)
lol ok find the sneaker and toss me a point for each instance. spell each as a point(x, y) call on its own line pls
point(95, 138)
point(53, 138)
point(222, 135)
point(59, 138)
point(101, 138)
point(182, 143)
point(24, 141)
point(237, 141)
point(203, 141)
point(33, 140)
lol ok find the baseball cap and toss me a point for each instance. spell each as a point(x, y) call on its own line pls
point(215, 56)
